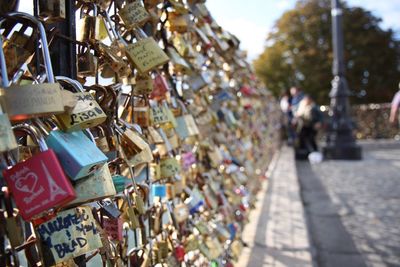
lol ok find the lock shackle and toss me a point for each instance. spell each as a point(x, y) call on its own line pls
point(43, 40)
point(36, 136)
point(114, 35)
point(87, 5)
point(183, 107)
point(78, 87)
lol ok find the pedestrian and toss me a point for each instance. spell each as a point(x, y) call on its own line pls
point(394, 109)
point(297, 95)
point(285, 104)
point(308, 120)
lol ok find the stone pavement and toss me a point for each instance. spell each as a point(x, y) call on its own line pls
point(277, 232)
point(353, 207)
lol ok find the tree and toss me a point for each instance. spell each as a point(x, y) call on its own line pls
point(299, 52)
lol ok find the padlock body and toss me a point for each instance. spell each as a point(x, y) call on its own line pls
point(78, 155)
point(71, 233)
point(113, 228)
point(39, 184)
point(7, 137)
point(86, 114)
point(22, 101)
point(95, 186)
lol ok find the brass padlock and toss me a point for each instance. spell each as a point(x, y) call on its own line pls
point(26, 101)
point(133, 14)
point(86, 114)
point(91, 27)
point(86, 62)
point(145, 54)
point(20, 46)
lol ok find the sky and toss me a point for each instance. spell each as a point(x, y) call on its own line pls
point(251, 20)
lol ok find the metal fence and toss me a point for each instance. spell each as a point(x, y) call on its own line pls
point(372, 121)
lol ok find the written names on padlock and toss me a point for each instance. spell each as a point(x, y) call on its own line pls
point(72, 233)
point(146, 54)
point(169, 167)
point(134, 14)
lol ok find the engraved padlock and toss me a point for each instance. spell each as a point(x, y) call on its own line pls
point(133, 14)
point(39, 183)
point(87, 113)
point(25, 101)
point(145, 54)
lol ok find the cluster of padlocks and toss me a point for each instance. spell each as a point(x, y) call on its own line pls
point(151, 157)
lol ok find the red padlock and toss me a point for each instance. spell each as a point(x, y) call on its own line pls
point(160, 87)
point(38, 183)
point(180, 253)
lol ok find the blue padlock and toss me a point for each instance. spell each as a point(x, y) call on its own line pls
point(159, 190)
point(78, 155)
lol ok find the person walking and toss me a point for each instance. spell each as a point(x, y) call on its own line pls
point(308, 119)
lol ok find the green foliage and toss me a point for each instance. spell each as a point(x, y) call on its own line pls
point(299, 52)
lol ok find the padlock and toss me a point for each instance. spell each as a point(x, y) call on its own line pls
point(71, 233)
point(109, 209)
point(179, 63)
point(181, 212)
point(131, 215)
point(19, 47)
point(161, 87)
point(162, 246)
point(7, 138)
point(133, 14)
point(178, 22)
point(52, 10)
point(97, 185)
point(143, 85)
point(24, 101)
point(39, 183)
point(113, 55)
point(13, 223)
point(113, 228)
point(139, 257)
point(141, 116)
point(78, 155)
point(86, 62)
point(179, 252)
point(87, 113)
point(145, 54)
point(91, 27)
point(169, 167)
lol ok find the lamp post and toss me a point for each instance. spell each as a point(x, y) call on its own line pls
point(340, 142)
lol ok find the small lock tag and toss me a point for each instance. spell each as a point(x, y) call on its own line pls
point(139, 203)
point(134, 15)
point(113, 228)
point(169, 167)
point(14, 229)
point(163, 249)
point(181, 212)
point(146, 55)
point(133, 218)
point(159, 190)
point(78, 234)
point(109, 209)
point(143, 85)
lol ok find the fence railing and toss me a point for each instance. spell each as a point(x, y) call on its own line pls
point(372, 121)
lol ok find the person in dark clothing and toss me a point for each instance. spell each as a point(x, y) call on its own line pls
point(308, 120)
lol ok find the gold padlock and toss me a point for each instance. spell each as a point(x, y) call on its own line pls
point(145, 54)
point(86, 114)
point(91, 27)
point(133, 14)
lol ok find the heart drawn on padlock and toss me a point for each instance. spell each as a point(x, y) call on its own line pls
point(27, 183)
